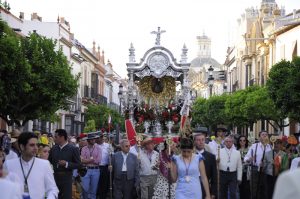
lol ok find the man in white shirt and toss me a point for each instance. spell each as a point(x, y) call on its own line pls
point(148, 168)
point(103, 184)
point(230, 169)
point(256, 156)
point(35, 174)
point(125, 172)
point(218, 141)
point(134, 150)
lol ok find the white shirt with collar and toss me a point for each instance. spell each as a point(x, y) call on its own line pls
point(199, 151)
point(11, 155)
point(61, 147)
point(40, 181)
point(231, 159)
point(259, 148)
point(134, 150)
point(124, 166)
point(148, 163)
point(105, 147)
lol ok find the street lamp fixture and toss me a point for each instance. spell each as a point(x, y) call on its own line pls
point(210, 79)
point(121, 88)
point(120, 95)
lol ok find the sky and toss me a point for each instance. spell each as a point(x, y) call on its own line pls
point(114, 24)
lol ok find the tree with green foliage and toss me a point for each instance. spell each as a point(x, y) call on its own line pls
point(100, 114)
point(90, 126)
point(259, 106)
point(233, 108)
point(35, 78)
point(284, 87)
point(215, 110)
point(199, 112)
point(210, 112)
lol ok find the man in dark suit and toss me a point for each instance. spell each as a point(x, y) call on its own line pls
point(65, 158)
point(125, 172)
point(209, 162)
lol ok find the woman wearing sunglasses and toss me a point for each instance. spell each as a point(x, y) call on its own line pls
point(186, 169)
point(244, 187)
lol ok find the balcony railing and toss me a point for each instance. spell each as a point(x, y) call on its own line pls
point(251, 82)
point(101, 99)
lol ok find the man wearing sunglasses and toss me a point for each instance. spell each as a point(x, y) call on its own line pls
point(125, 171)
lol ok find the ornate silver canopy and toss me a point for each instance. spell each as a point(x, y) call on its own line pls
point(157, 62)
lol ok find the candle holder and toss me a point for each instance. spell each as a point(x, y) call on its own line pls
point(146, 126)
point(157, 129)
point(169, 126)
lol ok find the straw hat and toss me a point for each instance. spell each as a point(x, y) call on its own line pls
point(92, 135)
point(147, 140)
point(221, 127)
point(12, 140)
point(82, 136)
point(15, 133)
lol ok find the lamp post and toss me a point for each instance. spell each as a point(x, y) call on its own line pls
point(120, 95)
point(210, 79)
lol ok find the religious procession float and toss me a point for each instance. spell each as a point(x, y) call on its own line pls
point(157, 100)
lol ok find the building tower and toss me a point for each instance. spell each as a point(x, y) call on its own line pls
point(204, 46)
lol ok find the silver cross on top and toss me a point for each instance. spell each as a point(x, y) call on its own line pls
point(158, 33)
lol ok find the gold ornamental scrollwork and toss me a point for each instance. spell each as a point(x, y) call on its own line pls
point(167, 92)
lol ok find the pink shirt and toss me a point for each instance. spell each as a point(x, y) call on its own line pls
point(94, 153)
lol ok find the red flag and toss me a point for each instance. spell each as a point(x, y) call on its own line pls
point(182, 121)
point(130, 131)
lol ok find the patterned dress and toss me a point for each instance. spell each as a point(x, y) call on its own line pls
point(161, 188)
point(188, 182)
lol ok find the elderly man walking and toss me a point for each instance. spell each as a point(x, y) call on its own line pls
point(125, 171)
point(148, 168)
point(230, 169)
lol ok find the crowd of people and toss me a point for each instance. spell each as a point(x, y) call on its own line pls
point(39, 165)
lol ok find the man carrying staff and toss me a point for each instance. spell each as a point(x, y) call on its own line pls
point(218, 141)
point(256, 156)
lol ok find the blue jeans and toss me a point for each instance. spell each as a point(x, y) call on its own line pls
point(90, 183)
